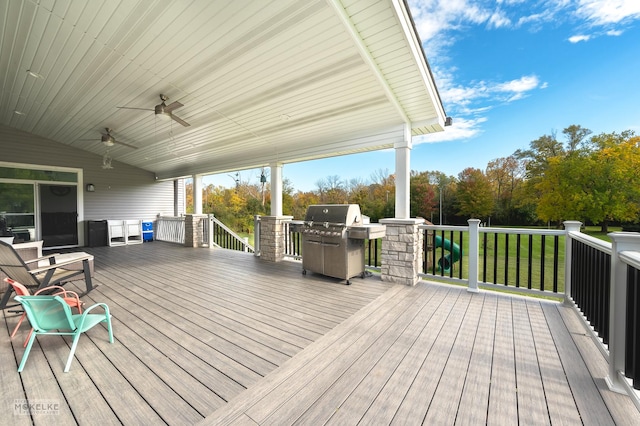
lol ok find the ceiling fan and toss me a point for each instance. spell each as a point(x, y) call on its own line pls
point(108, 140)
point(163, 110)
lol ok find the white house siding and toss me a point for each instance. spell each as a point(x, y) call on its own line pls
point(123, 192)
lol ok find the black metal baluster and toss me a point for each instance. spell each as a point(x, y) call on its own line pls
point(542, 259)
point(484, 259)
point(495, 258)
point(530, 261)
point(518, 260)
point(451, 243)
point(461, 255)
point(506, 259)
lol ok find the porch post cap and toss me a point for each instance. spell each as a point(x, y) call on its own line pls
point(396, 221)
point(277, 217)
point(625, 237)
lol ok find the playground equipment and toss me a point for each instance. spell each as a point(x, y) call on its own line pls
point(446, 261)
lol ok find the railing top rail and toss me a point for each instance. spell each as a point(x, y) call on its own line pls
point(171, 218)
point(225, 227)
point(631, 258)
point(591, 241)
point(532, 231)
point(233, 234)
point(444, 227)
point(485, 229)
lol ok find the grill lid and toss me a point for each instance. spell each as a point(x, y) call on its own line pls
point(344, 214)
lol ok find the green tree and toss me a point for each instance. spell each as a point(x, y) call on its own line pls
point(474, 194)
point(612, 182)
point(423, 200)
point(506, 175)
point(598, 183)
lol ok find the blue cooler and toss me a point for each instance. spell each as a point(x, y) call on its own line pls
point(147, 231)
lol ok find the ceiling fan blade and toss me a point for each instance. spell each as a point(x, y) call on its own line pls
point(172, 106)
point(125, 144)
point(180, 120)
point(143, 109)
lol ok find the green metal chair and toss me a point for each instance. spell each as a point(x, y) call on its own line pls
point(52, 315)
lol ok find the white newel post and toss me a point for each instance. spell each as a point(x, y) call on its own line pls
point(620, 241)
point(569, 226)
point(402, 249)
point(474, 254)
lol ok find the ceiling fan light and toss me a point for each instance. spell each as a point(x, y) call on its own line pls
point(160, 112)
point(107, 140)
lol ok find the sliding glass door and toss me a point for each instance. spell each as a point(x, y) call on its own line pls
point(17, 210)
point(41, 203)
point(58, 215)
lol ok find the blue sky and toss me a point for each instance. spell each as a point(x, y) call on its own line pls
point(508, 72)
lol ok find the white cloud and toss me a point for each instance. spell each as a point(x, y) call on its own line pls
point(480, 96)
point(441, 23)
point(606, 12)
point(578, 38)
point(498, 20)
point(520, 85)
point(462, 128)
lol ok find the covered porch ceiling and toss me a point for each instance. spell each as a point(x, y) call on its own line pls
point(261, 82)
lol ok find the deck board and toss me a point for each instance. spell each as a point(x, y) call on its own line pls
point(530, 390)
point(474, 398)
point(219, 337)
point(584, 389)
point(562, 408)
point(443, 407)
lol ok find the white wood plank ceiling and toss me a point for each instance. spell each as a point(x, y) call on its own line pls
point(261, 81)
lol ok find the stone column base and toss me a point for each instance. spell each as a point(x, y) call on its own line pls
point(272, 237)
point(402, 251)
point(193, 227)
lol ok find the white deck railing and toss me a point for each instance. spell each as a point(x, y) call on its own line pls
point(211, 233)
point(490, 263)
point(217, 234)
point(170, 229)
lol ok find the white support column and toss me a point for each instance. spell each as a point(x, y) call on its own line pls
point(474, 254)
point(620, 241)
point(197, 194)
point(403, 175)
point(276, 189)
point(176, 191)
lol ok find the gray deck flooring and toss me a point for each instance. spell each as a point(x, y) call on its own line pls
point(220, 337)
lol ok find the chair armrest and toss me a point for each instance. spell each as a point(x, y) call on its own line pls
point(61, 291)
point(89, 309)
point(38, 259)
point(95, 305)
point(60, 264)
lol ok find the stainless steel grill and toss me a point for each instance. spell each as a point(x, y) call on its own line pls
point(333, 240)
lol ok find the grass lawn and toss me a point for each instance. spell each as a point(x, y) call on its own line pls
point(522, 261)
point(529, 261)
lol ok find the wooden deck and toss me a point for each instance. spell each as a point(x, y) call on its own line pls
point(220, 337)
